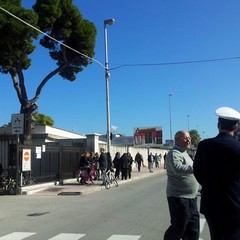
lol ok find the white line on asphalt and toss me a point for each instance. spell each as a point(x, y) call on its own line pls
point(17, 236)
point(67, 236)
point(124, 237)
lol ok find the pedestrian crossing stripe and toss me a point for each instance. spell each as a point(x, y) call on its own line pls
point(17, 236)
point(67, 236)
point(125, 237)
point(64, 236)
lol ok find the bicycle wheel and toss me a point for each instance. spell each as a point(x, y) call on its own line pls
point(107, 183)
point(115, 182)
point(94, 175)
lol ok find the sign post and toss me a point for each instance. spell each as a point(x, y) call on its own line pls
point(18, 128)
point(18, 124)
point(26, 160)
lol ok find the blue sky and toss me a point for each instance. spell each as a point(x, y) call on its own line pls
point(145, 32)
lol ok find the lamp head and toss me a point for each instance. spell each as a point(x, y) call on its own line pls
point(110, 21)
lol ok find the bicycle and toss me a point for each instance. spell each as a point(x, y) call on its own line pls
point(109, 179)
point(84, 176)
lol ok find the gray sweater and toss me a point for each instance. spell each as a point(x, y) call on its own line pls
point(181, 181)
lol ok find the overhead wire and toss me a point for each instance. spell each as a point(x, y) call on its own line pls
point(65, 45)
point(123, 65)
point(174, 63)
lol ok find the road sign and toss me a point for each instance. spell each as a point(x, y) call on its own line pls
point(26, 160)
point(17, 123)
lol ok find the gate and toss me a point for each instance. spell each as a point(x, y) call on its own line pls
point(57, 162)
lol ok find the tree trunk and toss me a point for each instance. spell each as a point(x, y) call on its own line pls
point(28, 111)
point(28, 128)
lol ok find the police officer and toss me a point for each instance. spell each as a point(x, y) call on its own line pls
point(217, 169)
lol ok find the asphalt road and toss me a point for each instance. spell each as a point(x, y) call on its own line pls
point(132, 211)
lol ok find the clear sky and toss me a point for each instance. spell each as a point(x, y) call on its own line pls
point(145, 32)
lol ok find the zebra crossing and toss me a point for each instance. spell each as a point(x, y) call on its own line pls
point(64, 236)
point(77, 236)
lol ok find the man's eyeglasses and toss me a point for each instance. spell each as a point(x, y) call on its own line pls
point(186, 138)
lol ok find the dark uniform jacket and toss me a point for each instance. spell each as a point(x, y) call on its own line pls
point(217, 169)
point(103, 161)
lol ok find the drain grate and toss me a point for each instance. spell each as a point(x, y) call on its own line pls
point(53, 189)
point(37, 214)
point(70, 193)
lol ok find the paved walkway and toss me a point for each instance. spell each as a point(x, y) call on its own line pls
point(72, 187)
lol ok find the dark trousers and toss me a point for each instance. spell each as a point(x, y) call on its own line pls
point(117, 172)
point(129, 173)
point(184, 219)
point(124, 173)
point(139, 166)
point(222, 227)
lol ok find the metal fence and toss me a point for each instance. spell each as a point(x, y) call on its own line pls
point(57, 162)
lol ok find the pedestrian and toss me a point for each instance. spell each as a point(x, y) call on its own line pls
point(130, 161)
point(160, 157)
point(96, 162)
point(157, 160)
point(182, 188)
point(150, 162)
point(110, 164)
point(103, 163)
point(84, 167)
point(117, 164)
point(139, 160)
point(164, 159)
point(217, 169)
point(124, 166)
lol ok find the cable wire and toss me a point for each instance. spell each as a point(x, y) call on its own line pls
point(174, 63)
point(123, 65)
point(52, 38)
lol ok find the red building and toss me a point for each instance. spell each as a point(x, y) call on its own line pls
point(147, 135)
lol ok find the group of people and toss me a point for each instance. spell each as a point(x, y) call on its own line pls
point(216, 167)
point(157, 159)
point(104, 162)
point(121, 163)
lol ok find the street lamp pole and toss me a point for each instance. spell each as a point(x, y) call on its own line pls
point(107, 77)
point(170, 114)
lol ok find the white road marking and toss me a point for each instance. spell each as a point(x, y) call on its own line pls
point(124, 237)
point(67, 236)
point(17, 236)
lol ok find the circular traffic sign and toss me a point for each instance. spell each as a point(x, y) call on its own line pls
point(26, 156)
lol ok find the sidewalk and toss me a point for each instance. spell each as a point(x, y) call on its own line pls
point(72, 187)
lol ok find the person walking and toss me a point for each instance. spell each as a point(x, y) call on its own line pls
point(103, 163)
point(124, 166)
point(150, 162)
point(139, 160)
point(164, 160)
point(182, 188)
point(217, 169)
point(157, 160)
point(130, 161)
point(160, 158)
point(117, 164)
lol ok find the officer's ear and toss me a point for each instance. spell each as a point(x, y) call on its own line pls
point(235, 128)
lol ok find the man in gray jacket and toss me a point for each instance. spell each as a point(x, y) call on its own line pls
point(182, 189)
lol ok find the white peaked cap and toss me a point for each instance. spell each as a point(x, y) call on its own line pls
point(228, 113)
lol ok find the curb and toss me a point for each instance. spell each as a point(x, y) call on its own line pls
point(70, 187)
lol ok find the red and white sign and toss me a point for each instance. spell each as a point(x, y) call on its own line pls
point(26, 160)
